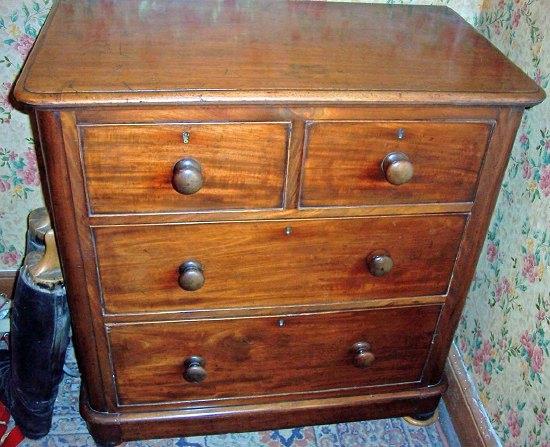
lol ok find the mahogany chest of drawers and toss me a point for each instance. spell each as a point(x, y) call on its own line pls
point(268, 212)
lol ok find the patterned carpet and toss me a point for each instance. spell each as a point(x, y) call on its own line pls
point(69, 430)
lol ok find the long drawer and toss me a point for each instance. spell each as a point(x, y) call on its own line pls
point(356, 163)
point(149, 268)
point(155, 168)
point(213, 359)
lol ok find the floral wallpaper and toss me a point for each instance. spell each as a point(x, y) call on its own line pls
point(504, 334)
point(20, 22)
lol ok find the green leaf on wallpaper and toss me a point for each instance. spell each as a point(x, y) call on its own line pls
point(14, 17)
point(2, 24)
point(26, 10)
point(36, 6)
point(6, 61)
point(9, 41)
point(535, 32)
point(30, 30)
point(18, 164)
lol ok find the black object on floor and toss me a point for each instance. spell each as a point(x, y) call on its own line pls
point(31, 371)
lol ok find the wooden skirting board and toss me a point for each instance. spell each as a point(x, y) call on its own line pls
point(467, 415)
point(469, 419)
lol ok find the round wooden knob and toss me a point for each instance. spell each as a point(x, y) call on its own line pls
point(187, 176)
point(191, 275)
point(362, 357)
point(194, 369)
point(379, 263)
point(397, 168)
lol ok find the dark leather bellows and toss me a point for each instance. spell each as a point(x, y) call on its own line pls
point(31, 371)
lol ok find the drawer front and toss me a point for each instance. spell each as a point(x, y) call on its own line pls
point(134, 168)
point(344, 162)
point(258, 264)
point(243, 357)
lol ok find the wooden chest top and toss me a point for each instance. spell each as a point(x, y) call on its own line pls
point(171, 51)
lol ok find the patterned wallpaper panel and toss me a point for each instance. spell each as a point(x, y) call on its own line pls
point(20, 22)
point(504, 334)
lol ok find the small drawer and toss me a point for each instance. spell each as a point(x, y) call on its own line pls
point(391, 162)
point(246, 357)
point(151, 268)
point(183, 167)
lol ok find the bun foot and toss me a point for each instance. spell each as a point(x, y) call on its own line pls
point(422, 419)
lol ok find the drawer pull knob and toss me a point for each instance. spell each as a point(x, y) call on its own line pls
point(362, 356)
point(187, 176)
point(397, 168)
point(194, 369)
point(191, 275)
point(379, 263)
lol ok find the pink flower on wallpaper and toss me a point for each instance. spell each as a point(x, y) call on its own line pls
point(538, 76)
point(526, 170)
point(4, 186)
point(492, 252)
point(545, 180)
point(529, 269)
point(30, 156)
point(516, 18)
point(23, 44)
point(482, 356)
point(503, 287)
point(540, 417)
point(30, 177)
point(12, 156)
point(541, 315)
point(537, 359)
point(526, 341)
point(4, 96)
point(513, 423)
point(10, 258)
point(523, 139)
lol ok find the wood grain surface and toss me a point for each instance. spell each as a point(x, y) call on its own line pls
point(343, 162)
point(130, 51)
point(129, 168)
point(291, 107)
point(272, 355)
point(255, 264)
